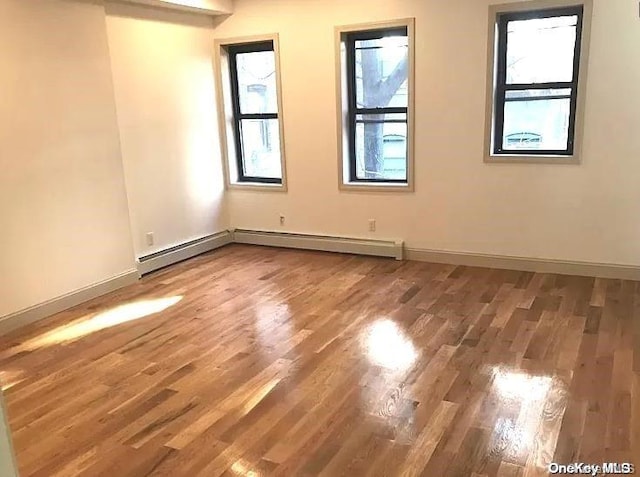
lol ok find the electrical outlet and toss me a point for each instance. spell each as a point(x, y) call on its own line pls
point(282, 219)
point(149, 239)
point(372, 225)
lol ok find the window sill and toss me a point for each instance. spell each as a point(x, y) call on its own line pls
point(261, 186)
point(376, 187)
point(523, 159)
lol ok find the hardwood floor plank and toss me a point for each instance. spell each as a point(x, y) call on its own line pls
point(426, 442)
point(253, 361)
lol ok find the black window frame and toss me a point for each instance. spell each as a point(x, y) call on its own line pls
point(350, 39)
point(233, 51)
point(502, 87)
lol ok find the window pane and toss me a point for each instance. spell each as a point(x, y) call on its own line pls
point(381, 146)
point(515, 95)
point(382, 72)
point(536, 125)
point(257, 82)
point(541, 50)
point(261, 148)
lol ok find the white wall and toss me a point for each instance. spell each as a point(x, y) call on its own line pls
point(63, 212)
point(164, 90)
point(589, 212)
point(7, 457)
point(64, 216)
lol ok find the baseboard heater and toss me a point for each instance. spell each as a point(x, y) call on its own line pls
point(379, 248)
point(169, 256)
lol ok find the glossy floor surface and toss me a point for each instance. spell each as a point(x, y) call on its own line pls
point(253, 361)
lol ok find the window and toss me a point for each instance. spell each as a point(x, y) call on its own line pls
point(376, 97)
point(537, 67)
point(523, 140)
point(252, 113)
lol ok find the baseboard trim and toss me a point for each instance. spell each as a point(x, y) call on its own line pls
point(382, 248)
point(379, 248)
point(56, 305)
point(164, 258)
point(561, 267)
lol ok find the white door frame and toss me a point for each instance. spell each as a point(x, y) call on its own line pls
point(8, 464)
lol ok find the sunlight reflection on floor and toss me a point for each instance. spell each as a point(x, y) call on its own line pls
point(273, 324)
point(520, 385)
point(9, 379)
point(516, 434)
point(241, 469)
point(388, 346)
point(107, 319)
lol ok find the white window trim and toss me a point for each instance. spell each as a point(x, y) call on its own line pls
point(342, 101)
point(225, 113)
point(494, 11)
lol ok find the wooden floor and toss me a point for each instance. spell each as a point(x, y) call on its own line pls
point(253, 361)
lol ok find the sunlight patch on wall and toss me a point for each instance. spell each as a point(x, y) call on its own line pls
point(205, 181)
point(202, 150)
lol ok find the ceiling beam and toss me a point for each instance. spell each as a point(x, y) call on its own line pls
point(206, 7)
